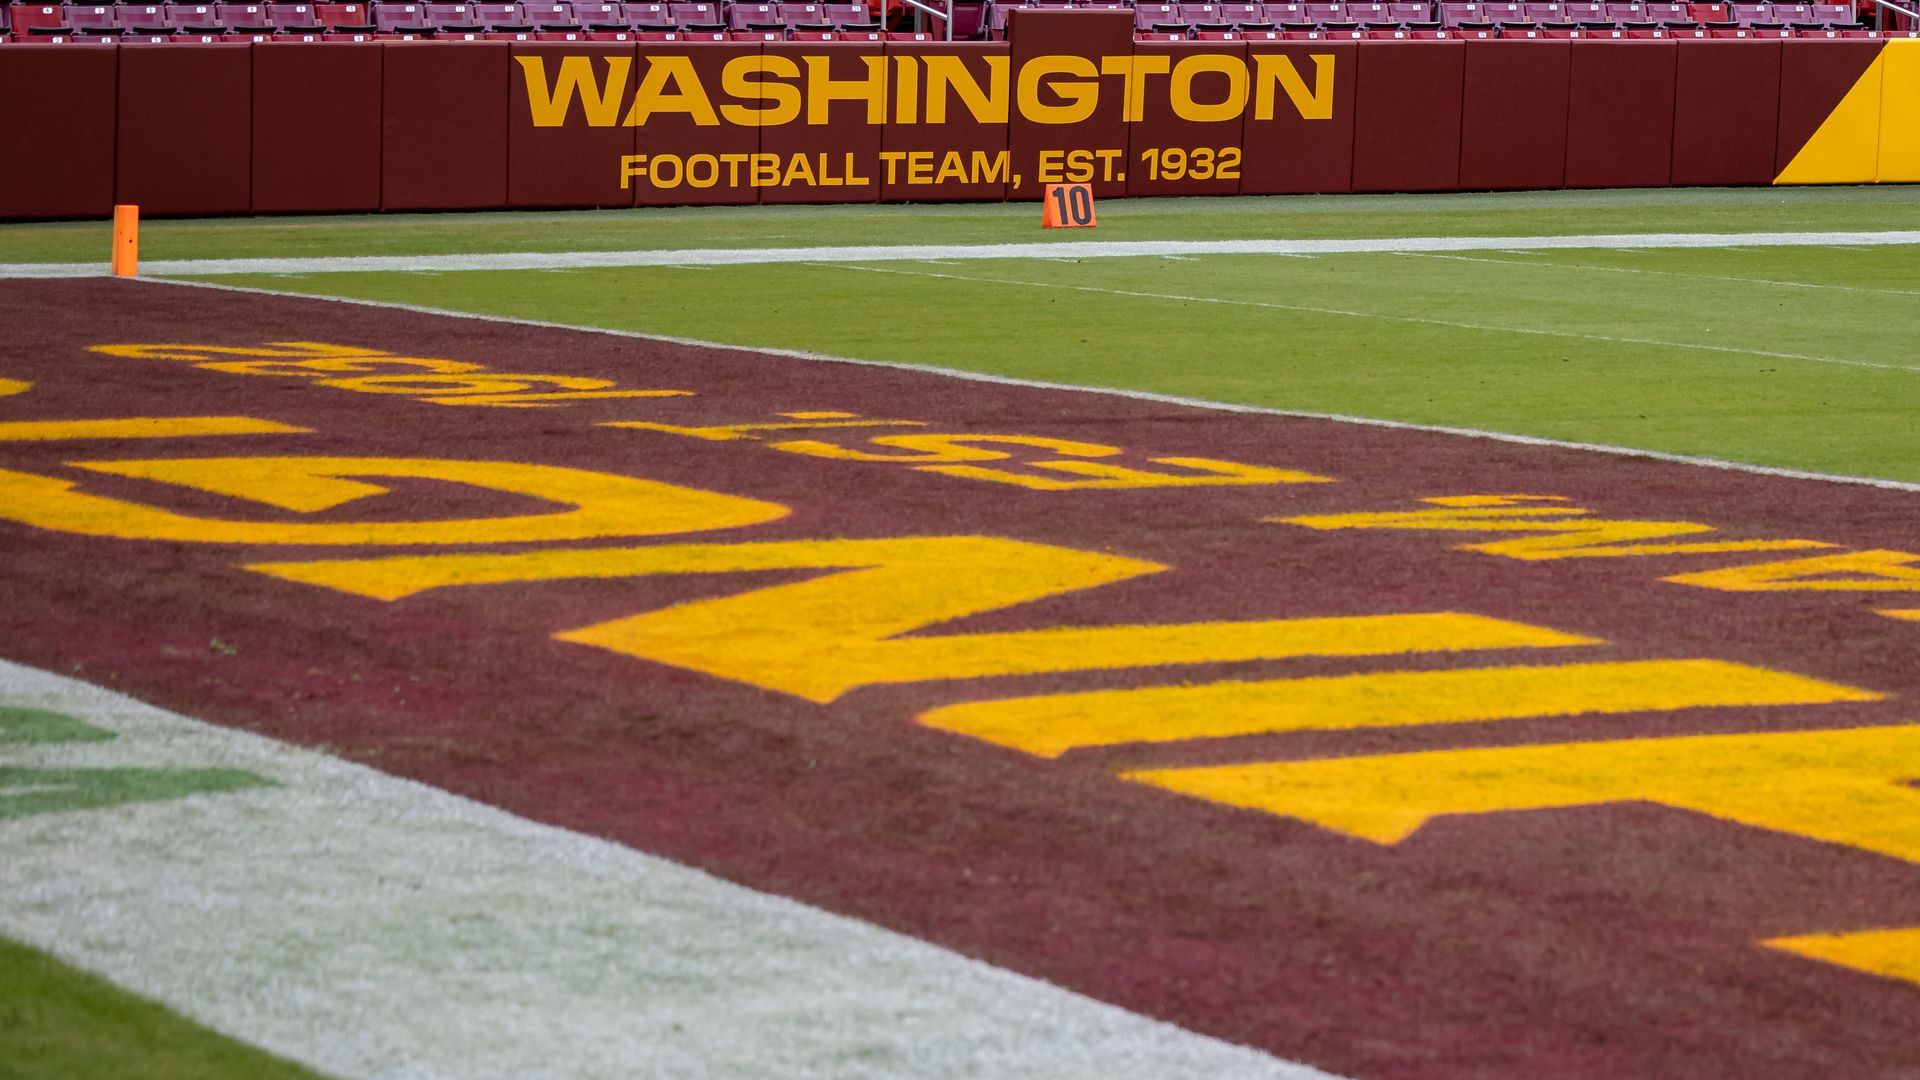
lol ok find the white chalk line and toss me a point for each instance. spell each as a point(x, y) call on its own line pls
point(1454, 324)
point(1081, 249)
point(369, 926)
point(1531, 263)
point(1105, 391)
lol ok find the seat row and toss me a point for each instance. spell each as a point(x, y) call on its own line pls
point(1171, 17)
point(1510, 33)
point(456, 18)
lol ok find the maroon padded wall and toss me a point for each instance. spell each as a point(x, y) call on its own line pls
point(1288, 155)
point(927, 144)
point(316, 127)
point(1620, 114)
point(185, 130)
point(842, 156)
point(1726, 112)
point(575, 165)
point(677, 133)
point(1814, 76)
point(443, 141)
point(1513, 114)
point(57, 139)
point(1407, 115)
point(1090, 35)
point(1202, 146)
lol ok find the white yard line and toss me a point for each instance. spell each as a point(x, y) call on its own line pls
point(1082, 249)
point(1136, 395)
point(370, 926)
point(1455, 324)
point(1536, 263)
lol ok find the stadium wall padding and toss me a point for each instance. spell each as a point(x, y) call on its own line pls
point(316, 127)
point(1620, 114)
point(443, 126)
point(185, 130)
point(1726, 112)
point(59, 160)
point(920, 161)
point(1406, 126)
point(1513, 114)
point(279, 127)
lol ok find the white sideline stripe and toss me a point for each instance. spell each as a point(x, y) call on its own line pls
point(1080, 249)
point(365, 925)
point(1381, 315)
point(1135, 395)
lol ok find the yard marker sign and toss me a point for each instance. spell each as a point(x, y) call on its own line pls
point(1524, 762)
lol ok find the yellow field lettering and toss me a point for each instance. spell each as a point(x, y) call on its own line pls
point(1854, 571)
point(1848, 786)
point(141, 427)
point(359, 369)
point(1564, 532)
point(1894, 954)
point(958, 455)
point(1053, 724)
point(846, 628)
point(596, 504)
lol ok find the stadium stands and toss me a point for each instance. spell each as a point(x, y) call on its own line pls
point(770, 20)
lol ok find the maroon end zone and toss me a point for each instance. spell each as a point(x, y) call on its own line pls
point(1603, 937)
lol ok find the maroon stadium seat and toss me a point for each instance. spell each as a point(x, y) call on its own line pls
point(600, 17)
point(400, 18)
point(194, 18)
point(754, 17)
point(93, 20)
point(504, 18)
point(245, 18)
point(295, 18)
point(551, 17)
point(803, 17)
point(648, 16)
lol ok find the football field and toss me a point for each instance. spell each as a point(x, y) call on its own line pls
point(1375, 637)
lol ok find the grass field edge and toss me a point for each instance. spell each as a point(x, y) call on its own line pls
point(1122, 392)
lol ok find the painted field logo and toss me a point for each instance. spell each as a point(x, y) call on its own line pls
point(1208, 715)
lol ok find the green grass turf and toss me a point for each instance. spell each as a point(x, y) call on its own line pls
point(1496, 214)
point(1722, 353)
point(57, 1023)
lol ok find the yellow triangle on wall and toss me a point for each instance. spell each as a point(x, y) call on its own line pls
point(1846, 148)
point(1900, 112)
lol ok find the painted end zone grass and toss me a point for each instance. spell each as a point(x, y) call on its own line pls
point(1797, 357)
point(56, 1022)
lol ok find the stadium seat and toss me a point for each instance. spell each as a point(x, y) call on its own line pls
point(753, 17)
point(93, 20)
point(648, 16)
point(807, 17)
point(1837, 16)
point(194, 19)
point(46, 20)
point(452, 19)
point(550, 17)
point(400, 19)
point(604, 16)
point(245, 18)
point(295, 19)
point(1704, 14)
point(344, 18)
point(502, 18)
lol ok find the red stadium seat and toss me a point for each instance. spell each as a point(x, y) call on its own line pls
point(506, 18)
point(44, 19)
point(344, 18)
point(551, 17)
point(295, 18)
